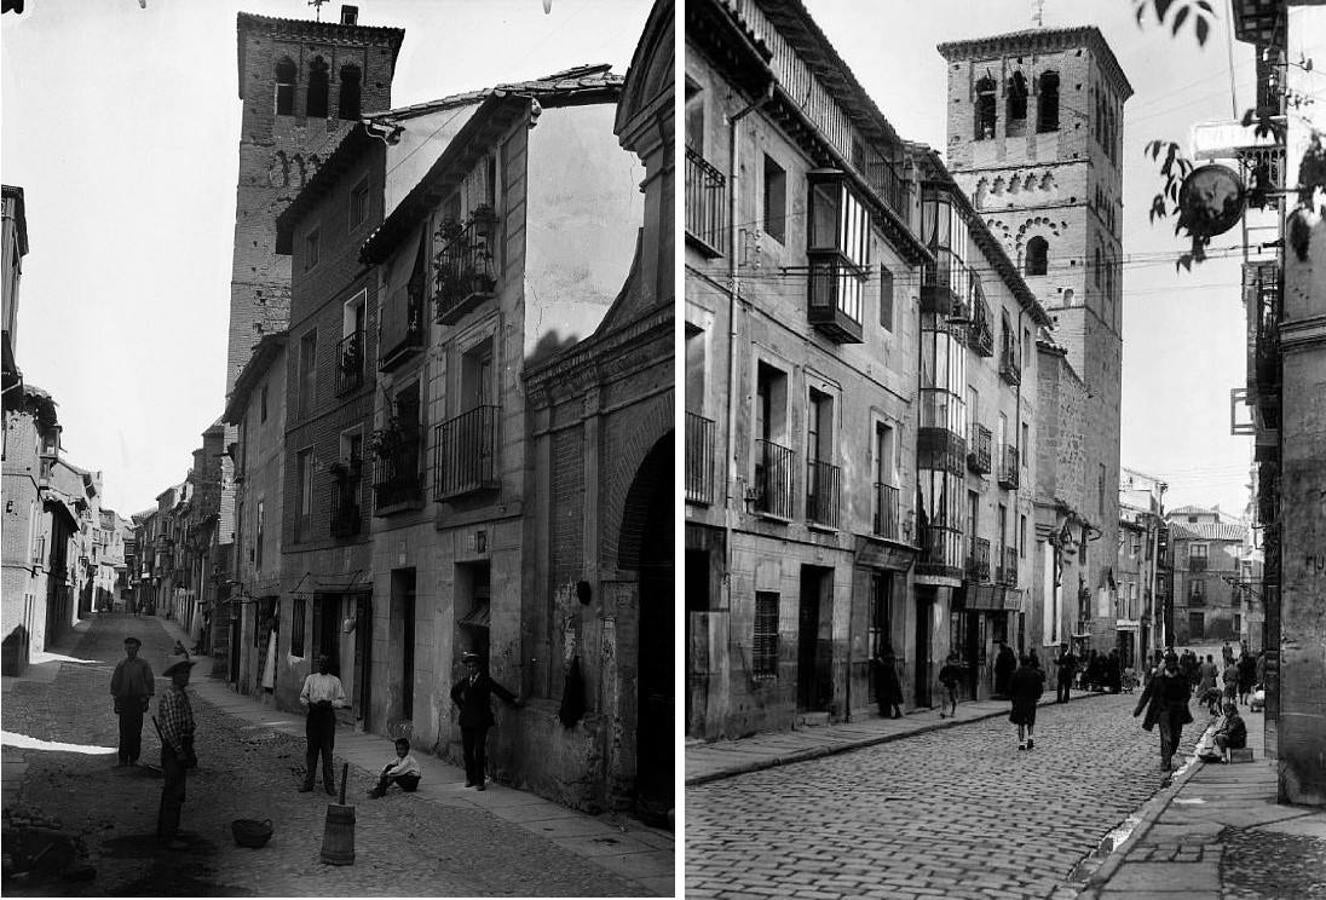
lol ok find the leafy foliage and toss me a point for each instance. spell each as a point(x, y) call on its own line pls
point(1200, 12)
point(1174, 169)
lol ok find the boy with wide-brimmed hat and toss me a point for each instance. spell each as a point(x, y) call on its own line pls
point(177, 757)
point(132, 686)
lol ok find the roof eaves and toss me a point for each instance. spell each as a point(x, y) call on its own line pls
point(264, 353)
point(1048, 38)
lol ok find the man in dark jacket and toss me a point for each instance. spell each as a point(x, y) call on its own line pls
point(132, 686)
point(1166, 702)
point(1025, 689)
point(472, 695)
point(1005, 662)
point(1067, 663)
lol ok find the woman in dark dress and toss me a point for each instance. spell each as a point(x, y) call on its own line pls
point(1005, 662)
point(1025, 688)
point(888, 690)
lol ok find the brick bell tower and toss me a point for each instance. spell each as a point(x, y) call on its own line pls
point(304, 84)
point(1035, 139)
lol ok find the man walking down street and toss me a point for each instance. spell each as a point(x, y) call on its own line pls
point(177, 756)
point(322, 696)
point(1027, 684)
point(1067, 664)
point(132, 686)
point(472, 695)
point(1166, 702)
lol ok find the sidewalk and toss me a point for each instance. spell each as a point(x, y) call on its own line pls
point(618, 844)
point(1218, 831)
point(722, 759)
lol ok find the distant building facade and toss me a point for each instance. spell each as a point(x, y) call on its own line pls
point(1207, 549)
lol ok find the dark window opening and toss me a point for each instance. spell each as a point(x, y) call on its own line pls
point(1048, 110)
point(316, 105)
point(349, 105)
point(1037, 251)
point(986, 111)
point(775, 200)
point(285, 87)
point(1017, 97)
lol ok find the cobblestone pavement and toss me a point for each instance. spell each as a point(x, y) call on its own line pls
point(403, 846)
point(953, 813)
point(1259, 864)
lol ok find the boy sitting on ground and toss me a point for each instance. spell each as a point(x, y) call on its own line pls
point(1232, 733)
point(402, 770)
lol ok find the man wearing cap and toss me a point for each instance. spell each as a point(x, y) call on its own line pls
point(177, 757)
point(322, 696)
point(132, 687)
point(472, 695)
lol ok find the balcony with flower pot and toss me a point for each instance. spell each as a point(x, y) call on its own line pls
point(464, 275)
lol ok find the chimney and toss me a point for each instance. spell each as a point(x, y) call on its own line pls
point(349, 15)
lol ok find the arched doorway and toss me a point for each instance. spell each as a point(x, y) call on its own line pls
point(647, 548)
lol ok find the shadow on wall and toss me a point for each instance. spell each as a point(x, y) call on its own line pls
point(549, 345)
point(14, 653)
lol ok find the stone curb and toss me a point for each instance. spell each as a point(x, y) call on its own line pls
point(846, 746)
point(1151, 811)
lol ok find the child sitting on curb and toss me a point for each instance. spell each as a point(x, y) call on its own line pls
point(402, 770)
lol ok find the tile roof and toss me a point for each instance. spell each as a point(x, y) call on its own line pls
point(566, 82)
point(1207, 531)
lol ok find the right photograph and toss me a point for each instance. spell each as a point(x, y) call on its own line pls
point(1004, 448)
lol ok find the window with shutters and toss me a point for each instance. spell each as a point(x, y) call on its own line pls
point(764, 644)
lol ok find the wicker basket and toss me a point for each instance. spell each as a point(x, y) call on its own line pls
point(251, 832)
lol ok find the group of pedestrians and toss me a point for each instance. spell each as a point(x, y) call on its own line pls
point(133, 687)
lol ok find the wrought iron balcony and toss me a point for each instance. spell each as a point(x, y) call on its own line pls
point(396, 479)
point(1008, 467)
point(465, 276)
point(773, 479)
point(465, 453)
point(822, 493)
point(699, 459)
point(1010, 368)
point(706, 205)
point(941, 552)
point(980, 336)
point(836, 296)
point(1008, 572)
point(888, 513)
point(978, 454)
point(349, 363)
point(882, 178)
point(346, 514)
point(978, 563)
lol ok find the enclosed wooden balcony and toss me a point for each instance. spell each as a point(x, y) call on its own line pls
point(836, 295)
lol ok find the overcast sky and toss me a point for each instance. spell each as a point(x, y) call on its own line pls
point(121, 124)
point(1184, 334)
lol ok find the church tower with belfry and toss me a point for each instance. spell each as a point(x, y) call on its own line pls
point(1035, 139)
point(303, 84)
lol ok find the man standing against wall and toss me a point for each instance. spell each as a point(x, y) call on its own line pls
point(472, 694)
point(322, 696)
point(132, 687)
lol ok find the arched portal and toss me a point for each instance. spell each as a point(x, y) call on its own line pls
point(647, 547)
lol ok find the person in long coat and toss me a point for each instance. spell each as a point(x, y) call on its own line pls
point(888, 690)
point(472, 696)
point(1005, 662)
point(1166, 703)
point(1247, 668)
point(1025, 688)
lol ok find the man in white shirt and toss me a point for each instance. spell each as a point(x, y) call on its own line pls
point(322, 696)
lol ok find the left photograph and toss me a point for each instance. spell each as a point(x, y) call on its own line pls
point(339, 517)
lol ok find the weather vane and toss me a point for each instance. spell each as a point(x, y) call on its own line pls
point(317, 6)
point(1038, 16)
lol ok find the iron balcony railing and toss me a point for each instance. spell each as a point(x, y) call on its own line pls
point(465, 453)
point(706, 205)
point(980, 336)
point(941, 551)
point(699, 459)
point(978, 563)
point(1008, 466)
point(773, 479)
point(346, 513)
point(1008, 573)
point(978, 455)
point(1010, 369)
point(396, 478)
point(349, 363)
point(836, 296)
point(822, 493)
point(887, 518)
point(465, 275)
point(882, 177)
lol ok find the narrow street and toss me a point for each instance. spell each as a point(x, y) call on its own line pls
point(959, 812)
point(405, 845)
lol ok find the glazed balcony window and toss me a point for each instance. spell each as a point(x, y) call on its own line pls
point(706, 205)
point(838, 249)
point(945, 283)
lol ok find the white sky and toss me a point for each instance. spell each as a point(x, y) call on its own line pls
point(121, 124)
point(1184, 334)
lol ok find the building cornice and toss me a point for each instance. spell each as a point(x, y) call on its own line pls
point(1043, 40)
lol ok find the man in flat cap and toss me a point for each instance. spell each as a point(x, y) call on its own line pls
point(472, 695)
point(132, 687)
point(177, 756)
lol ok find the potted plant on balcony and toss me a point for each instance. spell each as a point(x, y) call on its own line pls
point(384, 441)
